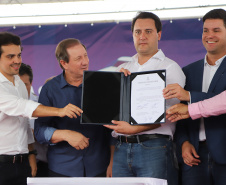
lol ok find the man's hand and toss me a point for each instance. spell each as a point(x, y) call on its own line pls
point(122, 127)
point(125, 71)
point(77, 140)
point(177, 112)
point(189, 154)
point(71, 111)
point(176, 91)
point(110, 166)
point(33, 164)
point(109, 171)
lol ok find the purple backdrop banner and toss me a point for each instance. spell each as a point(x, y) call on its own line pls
point(105, 42)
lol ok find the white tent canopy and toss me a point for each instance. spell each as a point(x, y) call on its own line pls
point(38, 12)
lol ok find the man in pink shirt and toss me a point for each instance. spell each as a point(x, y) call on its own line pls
point(210, 107)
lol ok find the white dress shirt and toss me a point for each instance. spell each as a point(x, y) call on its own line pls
point(208, 74)
point(15, 109)
point(174, 74)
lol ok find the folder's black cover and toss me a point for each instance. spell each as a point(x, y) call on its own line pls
point(106, 97)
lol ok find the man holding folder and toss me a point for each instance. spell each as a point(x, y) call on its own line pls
point(147, 150)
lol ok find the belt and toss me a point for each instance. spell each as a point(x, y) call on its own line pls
point(18, 158)
point(141, 138)
point(202, 142)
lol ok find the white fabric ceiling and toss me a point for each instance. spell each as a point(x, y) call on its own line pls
point(37, 1)
point(36, 12)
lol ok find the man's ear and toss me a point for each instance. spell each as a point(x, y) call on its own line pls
point(63, 63)
point(159, 35)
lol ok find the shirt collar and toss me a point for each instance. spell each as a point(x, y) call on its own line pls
point(63, 82)
point(218, 62)
point(4, 79)
point(159, 55)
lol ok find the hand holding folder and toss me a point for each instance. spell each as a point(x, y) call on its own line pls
point(136, 98)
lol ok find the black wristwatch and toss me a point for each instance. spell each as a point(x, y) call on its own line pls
point(33, 152)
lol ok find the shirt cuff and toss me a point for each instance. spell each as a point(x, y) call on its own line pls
point(190, 98)
point(48, 134)
point(30, 108)
point(193, 110)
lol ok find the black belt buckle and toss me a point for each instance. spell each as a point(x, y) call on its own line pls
point(18, 158)
point(123, 139)
point(202, 142)
point(126, 139)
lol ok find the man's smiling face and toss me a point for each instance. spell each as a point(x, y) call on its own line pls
point(214, 36)
point(10, 60)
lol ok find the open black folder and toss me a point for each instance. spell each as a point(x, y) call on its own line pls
point(136, 99)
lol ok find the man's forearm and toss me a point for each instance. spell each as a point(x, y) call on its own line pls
point(59, 135)
point(75, 139)
point(142, 128)
point(44, 111)
point(69, 110)
point(32, 160)
point(210, 107)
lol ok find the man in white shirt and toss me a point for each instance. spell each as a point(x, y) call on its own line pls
point(147, 150)
point(15, 109)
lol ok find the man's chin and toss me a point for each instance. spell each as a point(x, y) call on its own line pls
point(15, 72)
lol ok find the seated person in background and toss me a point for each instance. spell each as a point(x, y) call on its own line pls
point(26, 75)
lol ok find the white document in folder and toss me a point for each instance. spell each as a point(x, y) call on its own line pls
point(147, 101)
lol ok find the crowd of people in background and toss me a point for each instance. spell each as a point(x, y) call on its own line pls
point(42, 136)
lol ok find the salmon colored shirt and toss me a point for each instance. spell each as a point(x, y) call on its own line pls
point(210, 107)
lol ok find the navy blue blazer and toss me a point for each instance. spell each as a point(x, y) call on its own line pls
point(215, 126)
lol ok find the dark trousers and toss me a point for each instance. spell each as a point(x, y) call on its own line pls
point(43, 170)
point(208, 172)
point(14, 173)
point(54, 174)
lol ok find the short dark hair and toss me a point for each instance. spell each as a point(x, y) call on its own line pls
point(216, 14)
point(61, 49)
point(147, 15)
point(7, 38)
point(26, 69)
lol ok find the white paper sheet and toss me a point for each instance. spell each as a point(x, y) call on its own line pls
point(147, 101)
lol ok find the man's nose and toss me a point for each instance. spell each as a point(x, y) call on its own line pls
point(85, 61)
point(210, 34)
point(142, 35)
point(17, 60)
